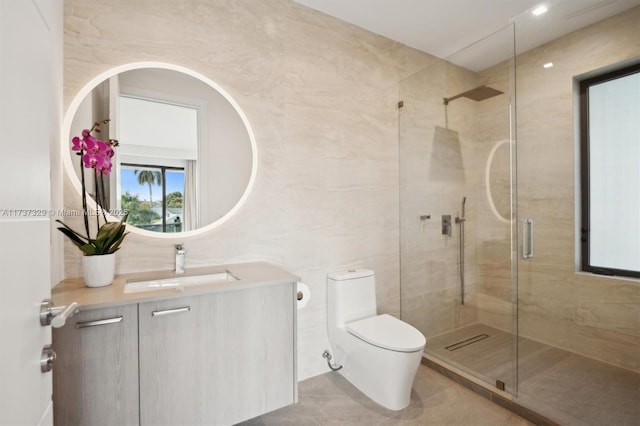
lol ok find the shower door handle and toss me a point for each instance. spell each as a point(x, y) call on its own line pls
point(527, 238)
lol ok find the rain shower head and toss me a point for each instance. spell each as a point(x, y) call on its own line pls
point(478, 94)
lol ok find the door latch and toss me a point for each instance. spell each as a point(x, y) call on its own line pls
point(47, 359)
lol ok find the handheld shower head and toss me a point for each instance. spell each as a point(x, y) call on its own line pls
point(462, 218)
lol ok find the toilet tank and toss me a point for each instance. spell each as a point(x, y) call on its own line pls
point(351, 295)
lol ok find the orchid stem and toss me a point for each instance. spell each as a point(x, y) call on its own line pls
point(84, 198)
point(98, 205)
point(103, 203)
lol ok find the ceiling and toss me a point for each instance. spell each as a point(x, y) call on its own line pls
point(444, 27)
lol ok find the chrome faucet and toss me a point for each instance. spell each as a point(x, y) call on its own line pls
point(180, 251)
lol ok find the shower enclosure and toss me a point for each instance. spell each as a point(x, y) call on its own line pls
point(497, 291)
point(456, 159)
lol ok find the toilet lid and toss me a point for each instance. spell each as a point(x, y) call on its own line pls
point(388, 332)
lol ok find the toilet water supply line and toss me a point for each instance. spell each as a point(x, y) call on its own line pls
point(460, 220)
point(327, 355)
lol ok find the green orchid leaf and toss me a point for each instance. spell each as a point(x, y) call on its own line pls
point(118, 236)
point(110, 236)
point(74, 239)
point(110, 233)
point(106, 231)
point(89, 250)
point(116, 246)
point(77, 235)
point(99, 246)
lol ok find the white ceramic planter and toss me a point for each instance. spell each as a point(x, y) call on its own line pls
point(99, 271)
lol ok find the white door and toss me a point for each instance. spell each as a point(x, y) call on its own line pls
point(30, 40)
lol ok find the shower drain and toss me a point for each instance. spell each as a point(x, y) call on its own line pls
point(467, 342)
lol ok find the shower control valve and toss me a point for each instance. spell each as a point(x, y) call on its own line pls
point(446, 224)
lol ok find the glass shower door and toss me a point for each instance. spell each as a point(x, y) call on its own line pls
point(458, 277)
point(578, 349)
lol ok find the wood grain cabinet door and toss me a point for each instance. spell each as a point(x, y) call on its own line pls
point(176, 365)
point(95, 378)
point(217, 359)
point(256, 348)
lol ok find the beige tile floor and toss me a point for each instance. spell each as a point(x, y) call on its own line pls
point(565, 387)
point(329, 399)
point(569, 389)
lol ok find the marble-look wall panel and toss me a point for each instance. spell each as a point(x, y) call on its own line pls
point(608, 304)
point(321, 98)
point(592, 315)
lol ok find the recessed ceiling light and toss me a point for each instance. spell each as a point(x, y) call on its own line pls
point(548, 65)
point(539, 10)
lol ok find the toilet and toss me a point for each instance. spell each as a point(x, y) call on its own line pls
point(379, 354)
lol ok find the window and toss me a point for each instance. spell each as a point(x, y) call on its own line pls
point(153, 196)
point(610, 172)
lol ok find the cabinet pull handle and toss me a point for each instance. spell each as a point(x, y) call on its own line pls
point(95, 323)
point(170, 311)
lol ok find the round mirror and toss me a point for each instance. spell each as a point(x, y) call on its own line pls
point(186, 158)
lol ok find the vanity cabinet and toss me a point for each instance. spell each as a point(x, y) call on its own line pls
point(217, 359)
point(214, 358)
point(95, 378)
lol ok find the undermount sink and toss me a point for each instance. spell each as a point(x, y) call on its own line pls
point(178, 282)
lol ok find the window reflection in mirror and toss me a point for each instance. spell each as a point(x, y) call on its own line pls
point(162, 142)
point(170, 121)
point(153, 196)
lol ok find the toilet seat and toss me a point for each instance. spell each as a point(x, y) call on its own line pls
point(387, 332)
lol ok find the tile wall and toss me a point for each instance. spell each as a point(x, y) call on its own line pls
point(321, 97)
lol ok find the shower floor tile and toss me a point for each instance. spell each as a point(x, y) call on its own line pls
point(490, 358)
point(565, 387)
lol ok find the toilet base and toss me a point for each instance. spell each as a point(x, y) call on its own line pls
point(383, 375)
